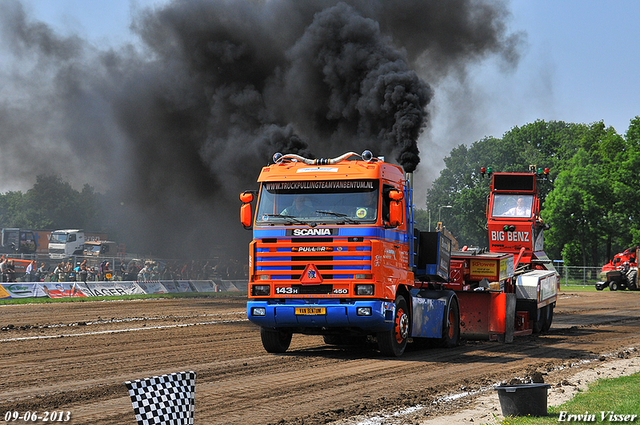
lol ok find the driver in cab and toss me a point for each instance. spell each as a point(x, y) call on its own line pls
point(301, 207)
point(520, 210)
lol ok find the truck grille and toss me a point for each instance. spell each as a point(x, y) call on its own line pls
point(335, 258)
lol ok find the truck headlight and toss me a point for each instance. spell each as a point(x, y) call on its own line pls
point(364, 289)
point(258, 311)
point(260, 290)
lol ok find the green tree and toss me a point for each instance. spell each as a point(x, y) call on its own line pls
point(592, 208)
point(576, 212)
point(53, 204)
point(12, 212)
point(629, 177)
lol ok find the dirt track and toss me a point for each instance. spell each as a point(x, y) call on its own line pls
point(76, 356)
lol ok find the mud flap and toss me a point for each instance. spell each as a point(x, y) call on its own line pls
point(487, 315)
point(428, 308)
point(510, 319)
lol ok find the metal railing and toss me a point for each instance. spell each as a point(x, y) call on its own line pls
point(579, 275)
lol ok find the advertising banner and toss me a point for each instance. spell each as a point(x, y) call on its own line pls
point(104, 289)
point(114, 288)
point(183, 286)
point(204, 286)
point(170, 285)
point(152, 287)
point(62, 289)
point(24, 290)
point(4, 294)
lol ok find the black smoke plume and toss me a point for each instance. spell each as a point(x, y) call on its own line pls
point(175, 126)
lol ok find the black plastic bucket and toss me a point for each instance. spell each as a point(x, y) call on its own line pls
point(523, 399)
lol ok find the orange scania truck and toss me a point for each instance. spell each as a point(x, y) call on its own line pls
point(335, 252)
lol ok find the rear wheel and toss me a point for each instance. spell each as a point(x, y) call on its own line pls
point(548, 317)
point(632, 276)
point(275, 341)
point(392, 343)
point(451, 334)
point(538, 321)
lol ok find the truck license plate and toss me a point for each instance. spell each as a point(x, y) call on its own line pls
point(311, 310)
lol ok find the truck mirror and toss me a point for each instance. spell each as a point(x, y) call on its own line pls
point(396, 195)
point(246, 197)
point(395, 209)
point(245, 215)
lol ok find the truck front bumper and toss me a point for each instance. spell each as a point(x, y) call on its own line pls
point(369, 316)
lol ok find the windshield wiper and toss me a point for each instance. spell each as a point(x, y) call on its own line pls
point(347, 218)
point(292, 219)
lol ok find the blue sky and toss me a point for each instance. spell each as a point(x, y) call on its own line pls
point(591, 51)
point(580, 63)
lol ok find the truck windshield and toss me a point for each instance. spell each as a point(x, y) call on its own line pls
point(58, 237)
point(92, 249)
point(512, 205)
point(318, 202)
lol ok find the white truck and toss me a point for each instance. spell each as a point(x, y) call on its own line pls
point(66, 243)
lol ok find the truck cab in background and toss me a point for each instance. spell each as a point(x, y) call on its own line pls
point(18, 241)
point(100, 248)
point(66, 243)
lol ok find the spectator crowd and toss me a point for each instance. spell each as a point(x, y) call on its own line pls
point(132, 270)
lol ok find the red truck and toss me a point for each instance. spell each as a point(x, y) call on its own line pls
point(515, 227)
point(335, 252)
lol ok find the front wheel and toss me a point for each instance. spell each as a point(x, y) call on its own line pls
point(392, 343)
point(613, 285)
point(274, 340)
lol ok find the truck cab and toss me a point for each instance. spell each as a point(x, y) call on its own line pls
point(66, 243)
point(515, 227)
point(18, 241)
point(100, 249)
point(332, 252)
point(513, 215)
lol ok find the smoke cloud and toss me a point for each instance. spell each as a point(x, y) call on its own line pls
point(175, 127)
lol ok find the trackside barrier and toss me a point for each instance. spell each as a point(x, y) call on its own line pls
point(108, 288)
point(234, 285)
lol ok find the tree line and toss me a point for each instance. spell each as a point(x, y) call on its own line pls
point(591, 200)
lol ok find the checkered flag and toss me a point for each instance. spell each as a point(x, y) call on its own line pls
point(165, 400)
